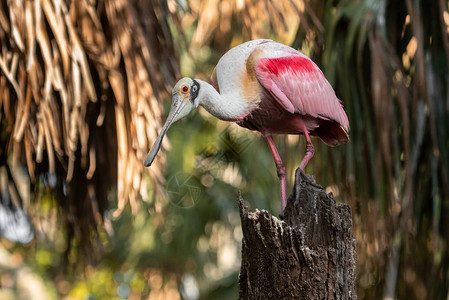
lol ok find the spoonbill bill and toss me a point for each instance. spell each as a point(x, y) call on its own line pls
point(269, 87)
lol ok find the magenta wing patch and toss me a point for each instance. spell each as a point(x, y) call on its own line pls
point(300, 87)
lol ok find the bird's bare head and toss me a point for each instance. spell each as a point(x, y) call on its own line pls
point(187, 89)
point(184, 94)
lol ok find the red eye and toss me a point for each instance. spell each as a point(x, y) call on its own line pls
point(185, 89)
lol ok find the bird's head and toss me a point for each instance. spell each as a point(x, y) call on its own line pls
point(184, 100)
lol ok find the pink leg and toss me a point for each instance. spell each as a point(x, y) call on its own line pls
point(310, 150)
point(281, 170)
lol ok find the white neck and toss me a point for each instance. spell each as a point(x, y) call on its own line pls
point(227, 107)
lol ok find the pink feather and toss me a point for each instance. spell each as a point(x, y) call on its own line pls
point(300, 87)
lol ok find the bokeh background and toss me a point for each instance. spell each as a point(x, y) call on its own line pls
point(85, 86)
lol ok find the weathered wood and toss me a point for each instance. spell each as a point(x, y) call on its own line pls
point(311, 254)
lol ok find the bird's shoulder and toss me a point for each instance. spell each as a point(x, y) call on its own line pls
point(273, 50)
point(278, 58)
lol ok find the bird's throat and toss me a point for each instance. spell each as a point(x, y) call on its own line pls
point(226, 106)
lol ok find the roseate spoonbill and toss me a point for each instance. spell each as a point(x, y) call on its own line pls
point(269, 87)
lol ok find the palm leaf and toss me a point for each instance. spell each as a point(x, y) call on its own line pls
point(80, 83)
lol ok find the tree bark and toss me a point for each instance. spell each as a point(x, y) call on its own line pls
point(311, 254)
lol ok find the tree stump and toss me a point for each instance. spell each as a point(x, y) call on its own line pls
point(311, 254)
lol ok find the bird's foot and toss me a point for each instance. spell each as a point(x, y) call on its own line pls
point(300, 176)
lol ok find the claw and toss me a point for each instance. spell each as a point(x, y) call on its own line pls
point(300, 176)
point(307, 178)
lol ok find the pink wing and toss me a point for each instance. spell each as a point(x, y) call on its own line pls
point(300, 87)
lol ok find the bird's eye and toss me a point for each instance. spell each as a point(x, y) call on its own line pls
point(194, 88)
point(185, 89)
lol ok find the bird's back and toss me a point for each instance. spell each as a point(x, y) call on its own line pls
point(231, 76)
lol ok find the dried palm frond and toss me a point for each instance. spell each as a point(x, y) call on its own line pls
point(79, 88)
point(255, 19)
